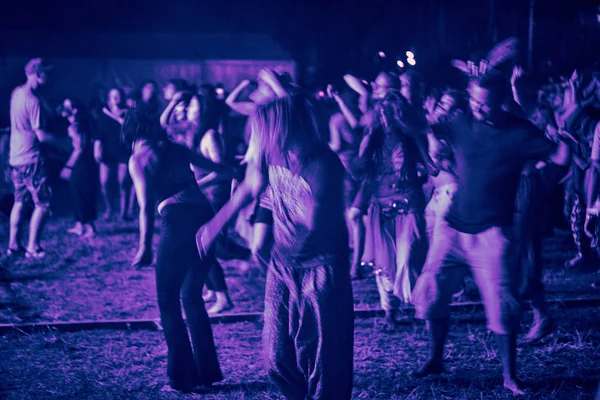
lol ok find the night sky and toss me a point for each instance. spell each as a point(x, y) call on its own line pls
point(339, 36)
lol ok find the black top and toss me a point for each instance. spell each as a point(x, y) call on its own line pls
point(113, 148)
point(489, 161)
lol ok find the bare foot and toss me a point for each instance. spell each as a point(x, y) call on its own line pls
point(430, 367)
point(220, 307)
point(514, 385)
point(209, 295)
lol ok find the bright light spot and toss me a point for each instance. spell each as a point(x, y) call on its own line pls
point(410, 54)
point(365, 82)
point(321, 94)
point(400, 63)
point(381, 54)
point(411, 61)
point(220, 90)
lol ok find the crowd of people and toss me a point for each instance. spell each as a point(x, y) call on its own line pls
point(416, 187)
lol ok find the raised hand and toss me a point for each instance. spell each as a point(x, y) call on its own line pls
point(143, 258)
point(517, 74)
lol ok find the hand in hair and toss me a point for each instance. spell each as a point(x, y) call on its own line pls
point(270, 78)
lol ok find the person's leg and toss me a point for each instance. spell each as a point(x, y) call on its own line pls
point(216, 277)
point(40, 193)
point(325, 338)
point(105, 171)
point(491, 255)
point(205, 353)
point(16, 213)
point(125, 185)
point(411, 251)
point(441, 277)
point(358, 229)
point(529, 233)
point(280, 327)
point(172, 266)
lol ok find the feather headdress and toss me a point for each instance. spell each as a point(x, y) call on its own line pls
point(503, 51)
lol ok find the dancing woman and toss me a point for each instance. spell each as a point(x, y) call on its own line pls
point(161, 175)
point(308, 320)
point(112, 155)
point(392, 196)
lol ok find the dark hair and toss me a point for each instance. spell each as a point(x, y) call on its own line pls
point(121, 94)
point(493, 81)
point(141, 123)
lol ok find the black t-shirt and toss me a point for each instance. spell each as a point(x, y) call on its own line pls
point(489, 161)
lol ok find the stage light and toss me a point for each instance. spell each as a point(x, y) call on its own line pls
point(410, 54)
point(411, 61)
point(220, 90)
point(400, 63)
point(321, 94)
point(381, 54)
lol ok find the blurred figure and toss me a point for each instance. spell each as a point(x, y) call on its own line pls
point(308, 319)
point(113, 155)
point(81, 171)
point(491, 149)
point(28, 118)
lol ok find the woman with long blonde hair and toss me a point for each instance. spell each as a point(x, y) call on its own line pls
point(308, 320)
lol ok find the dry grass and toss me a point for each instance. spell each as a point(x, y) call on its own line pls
point(131, 365)
point(93, 280)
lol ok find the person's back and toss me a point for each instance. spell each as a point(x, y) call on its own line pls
point(308, 206)
point(25, 118)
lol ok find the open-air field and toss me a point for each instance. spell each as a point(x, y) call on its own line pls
point(92, 280)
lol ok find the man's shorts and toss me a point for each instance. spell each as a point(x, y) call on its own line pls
point(31, 180)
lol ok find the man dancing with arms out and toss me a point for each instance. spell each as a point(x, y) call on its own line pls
point(491, 148)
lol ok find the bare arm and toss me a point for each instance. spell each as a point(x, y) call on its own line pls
point(356, 84)
point(253, 185)
point(166, 114)
point(243, 107)
point(145, 195)
point(212, 148)
point(562, 155)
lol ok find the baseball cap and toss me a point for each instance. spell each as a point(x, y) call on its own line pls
point(36, 65)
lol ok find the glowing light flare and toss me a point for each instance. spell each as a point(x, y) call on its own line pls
point(410, 54)
point(411, 61)
point(220, 90)
point(381, 54)
point(400, 63)
point(321, 94)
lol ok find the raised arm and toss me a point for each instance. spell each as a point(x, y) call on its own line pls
point(243, 107)
point(165, 117)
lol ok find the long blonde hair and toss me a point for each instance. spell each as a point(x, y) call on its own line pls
point(282, 126)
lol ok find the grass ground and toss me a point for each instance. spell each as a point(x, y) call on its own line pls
point(132, 364)
point(92, 280)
